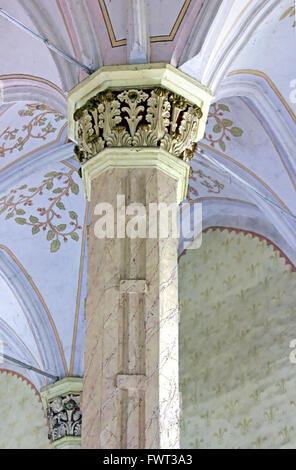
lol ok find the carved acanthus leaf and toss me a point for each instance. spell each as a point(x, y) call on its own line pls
point(137, 118)
point(65, 416)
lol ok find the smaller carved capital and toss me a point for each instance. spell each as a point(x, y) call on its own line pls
point(62, 404)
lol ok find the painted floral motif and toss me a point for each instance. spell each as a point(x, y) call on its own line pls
point(38, 127)
point(223, 129)
point(237, 320)
point(58, 223)
point(291, 12)
point(212, 185)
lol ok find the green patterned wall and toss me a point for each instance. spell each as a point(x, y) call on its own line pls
point(238, 312)
point(23, 424)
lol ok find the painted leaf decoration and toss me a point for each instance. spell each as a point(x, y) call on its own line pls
point(217, 129)
point(75, 188)
point(20, 221)
point(236, 132)
point(35, 230)
point(223, 107)
point(55, 246)
point(73, 215)
point(61, 206)
point(75, 236)
point(222, 145)
point(50, 235)
point(227, 122)
point(53, 232)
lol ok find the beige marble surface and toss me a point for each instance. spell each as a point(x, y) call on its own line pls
point(130, 394)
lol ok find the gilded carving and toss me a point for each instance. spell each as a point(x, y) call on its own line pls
point(137, 118)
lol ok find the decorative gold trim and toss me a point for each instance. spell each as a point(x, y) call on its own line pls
point(122, 42)
point(69, 165)
point(235, 22)
point(263, 75)
point(176, 26)
point(212, 58)
point(251, 173)
point(34, 79)
point(108, 24)
point(215, 198)
point(8, 107)
point(78, 297)
point(273, 143)
point(29, 326)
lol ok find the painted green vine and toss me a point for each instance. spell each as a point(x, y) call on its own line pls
point(39, 127)
point(50, 219)
point(223, 130)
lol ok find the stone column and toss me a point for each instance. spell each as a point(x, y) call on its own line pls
point(136, 128)
point(61, 401)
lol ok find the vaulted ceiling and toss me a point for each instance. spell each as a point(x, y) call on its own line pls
point(243, 50)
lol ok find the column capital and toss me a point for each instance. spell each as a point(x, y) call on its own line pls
point(62, 401)
point(136, 106)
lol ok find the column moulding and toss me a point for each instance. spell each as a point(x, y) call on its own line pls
point(153, 158)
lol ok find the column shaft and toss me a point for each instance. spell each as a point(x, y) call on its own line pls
point(131, 396)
